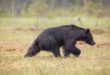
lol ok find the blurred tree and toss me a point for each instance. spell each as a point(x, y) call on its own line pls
point(41, 7)
point(5, 6)
point(17, 6)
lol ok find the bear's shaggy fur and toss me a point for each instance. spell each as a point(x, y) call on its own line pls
point(65, 36)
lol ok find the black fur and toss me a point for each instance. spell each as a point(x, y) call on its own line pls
point(65, 36)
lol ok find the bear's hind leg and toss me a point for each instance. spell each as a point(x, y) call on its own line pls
point(32, 51)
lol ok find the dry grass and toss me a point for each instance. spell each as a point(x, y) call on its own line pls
point(15, 40)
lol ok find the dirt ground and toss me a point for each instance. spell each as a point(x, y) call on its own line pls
point(14, 44)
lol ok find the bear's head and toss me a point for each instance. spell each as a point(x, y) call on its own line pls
point(88, 37)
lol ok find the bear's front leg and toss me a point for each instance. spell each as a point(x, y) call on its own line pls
point(66, 52)
point(75, 51)
point(56, 52)
point(69, 47)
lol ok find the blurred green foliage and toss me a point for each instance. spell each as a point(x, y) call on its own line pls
point(54, 8)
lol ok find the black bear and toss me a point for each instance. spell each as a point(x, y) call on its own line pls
point(64, 36)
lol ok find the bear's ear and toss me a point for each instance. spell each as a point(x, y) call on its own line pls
point(87, 30)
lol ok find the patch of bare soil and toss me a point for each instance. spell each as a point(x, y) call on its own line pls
point(12, 46)
point(103, 45)
point(27, 29)
point(98, 31)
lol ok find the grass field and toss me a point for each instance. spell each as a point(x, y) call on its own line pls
point(17, 34)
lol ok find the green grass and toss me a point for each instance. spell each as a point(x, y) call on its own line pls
point(51, 22)
point(17, 34)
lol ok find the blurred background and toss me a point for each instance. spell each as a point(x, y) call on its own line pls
point(39, 12)
point(54, 8)
point(21, 21)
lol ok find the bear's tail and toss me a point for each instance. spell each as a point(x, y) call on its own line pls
point(33, 50)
